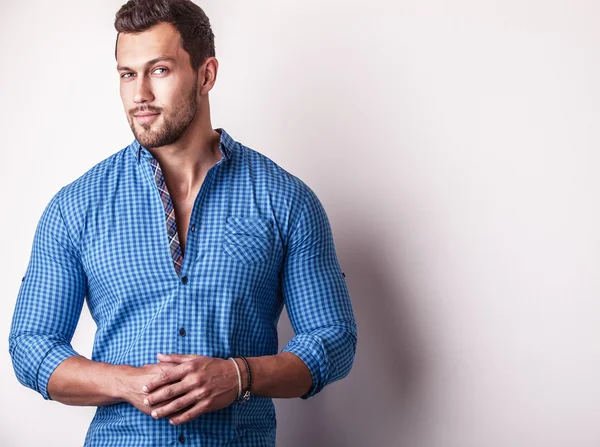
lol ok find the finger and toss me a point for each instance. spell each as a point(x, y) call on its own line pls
point(188, 414)
point(179, 404)
point(173, 417)
point(176, 358)
point(166, 392)
point(165, 377)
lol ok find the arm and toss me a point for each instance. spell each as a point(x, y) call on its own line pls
point(84, 382)
point(48, 304)
point(46, 314)
point(318, 304)
point(283, 375)
point(80, 381)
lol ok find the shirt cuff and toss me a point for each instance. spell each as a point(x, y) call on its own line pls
point(311, 351)
point(53, 358)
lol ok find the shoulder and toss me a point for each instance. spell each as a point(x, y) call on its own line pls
point(95, 179)
point(94, 183)
point(268, 174)
point(290, 201)
point(75, 199)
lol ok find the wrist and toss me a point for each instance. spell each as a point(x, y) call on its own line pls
point(237, 378)
point(120, 383)
point(247, 388)
point(243, 373)
point(244, 378)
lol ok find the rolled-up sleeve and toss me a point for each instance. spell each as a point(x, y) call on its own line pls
point(48, 304)
point(317, 298)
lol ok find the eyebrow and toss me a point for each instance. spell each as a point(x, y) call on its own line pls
point(151, 62)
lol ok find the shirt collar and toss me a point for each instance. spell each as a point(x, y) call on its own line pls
point(226, 146)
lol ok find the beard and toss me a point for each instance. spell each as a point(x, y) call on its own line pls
point(173, 125)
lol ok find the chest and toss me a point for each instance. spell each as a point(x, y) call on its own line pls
point(182, 209)
point(232, 250)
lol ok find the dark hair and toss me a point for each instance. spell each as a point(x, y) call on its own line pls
point(189, 19)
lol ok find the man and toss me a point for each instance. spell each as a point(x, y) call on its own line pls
point(186, 244)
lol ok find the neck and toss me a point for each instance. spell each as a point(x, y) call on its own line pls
point(184, 163)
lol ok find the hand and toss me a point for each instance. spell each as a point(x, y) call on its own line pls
point(135, 377)
point(203, 383)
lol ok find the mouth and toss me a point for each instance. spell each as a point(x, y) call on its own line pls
point(146, 117)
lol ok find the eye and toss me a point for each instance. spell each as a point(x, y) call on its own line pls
point(124, 75)
point(162, 68)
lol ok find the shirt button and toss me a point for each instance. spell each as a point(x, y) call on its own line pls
point(23, 279)
point(184, 280)
point(193, 227)
point(182, 332)
point(181, 439)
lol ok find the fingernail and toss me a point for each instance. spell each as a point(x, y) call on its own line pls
point(171, 422)
point(146, 401)
point(145, 389)
point(154, 414)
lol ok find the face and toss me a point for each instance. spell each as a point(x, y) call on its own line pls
point(156, 80)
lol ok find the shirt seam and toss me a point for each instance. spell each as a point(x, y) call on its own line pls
point(69, 237)
point(296, 224)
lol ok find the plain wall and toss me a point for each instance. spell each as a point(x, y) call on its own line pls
point(454, 146)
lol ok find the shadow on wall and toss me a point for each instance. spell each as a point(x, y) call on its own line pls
point(382, 401)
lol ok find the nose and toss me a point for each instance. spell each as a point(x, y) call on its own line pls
point(143, 90)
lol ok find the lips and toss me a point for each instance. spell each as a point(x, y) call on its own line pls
point(146, 117)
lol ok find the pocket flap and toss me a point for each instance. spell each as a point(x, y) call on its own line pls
point(250, 226)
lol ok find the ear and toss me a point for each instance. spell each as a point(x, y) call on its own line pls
point(207, 75)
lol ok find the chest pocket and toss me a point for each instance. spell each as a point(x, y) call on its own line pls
point(248, 240)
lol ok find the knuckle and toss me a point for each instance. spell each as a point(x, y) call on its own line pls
point(164, 375)
point(202, 393)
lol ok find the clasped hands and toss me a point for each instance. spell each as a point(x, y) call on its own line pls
point(182, 386)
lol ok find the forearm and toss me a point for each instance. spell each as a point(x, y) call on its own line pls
point(83, 382)
point(277, 376)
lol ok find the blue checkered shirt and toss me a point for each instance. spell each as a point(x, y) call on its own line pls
point(258, 238)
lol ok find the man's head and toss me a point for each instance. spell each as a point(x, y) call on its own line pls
point(166, 61)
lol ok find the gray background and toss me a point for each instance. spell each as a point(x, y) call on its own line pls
point(454, 146)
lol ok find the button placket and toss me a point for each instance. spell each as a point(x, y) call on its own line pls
point(182, 332)
point(174, 247)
